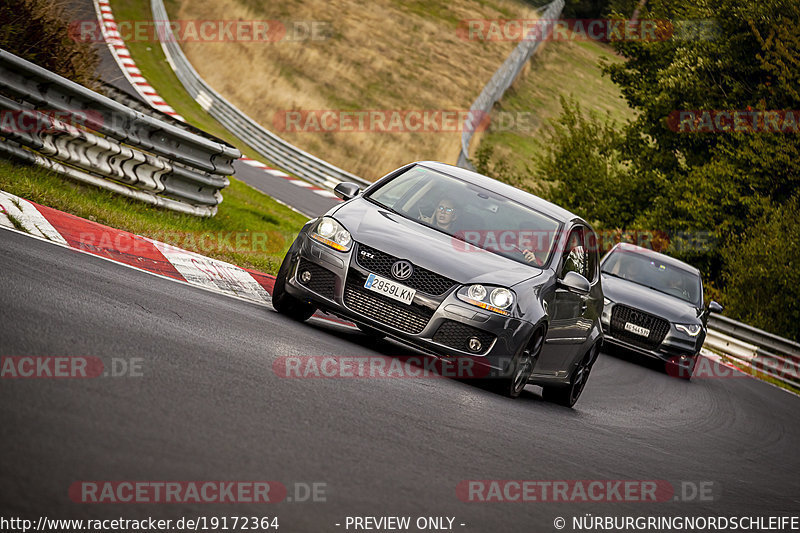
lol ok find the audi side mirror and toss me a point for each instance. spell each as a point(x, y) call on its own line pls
point(576, 283)
point(715, 307)
point(346, 190)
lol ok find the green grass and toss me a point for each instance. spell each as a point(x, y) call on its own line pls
point(264, 227)
point(560, 68)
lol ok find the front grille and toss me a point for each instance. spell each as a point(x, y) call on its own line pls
point(621, 314)
point(409, 318)
point(422, 280)
point(456, 335)
point(322, 281)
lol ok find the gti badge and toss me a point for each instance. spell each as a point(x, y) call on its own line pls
point(402, 270)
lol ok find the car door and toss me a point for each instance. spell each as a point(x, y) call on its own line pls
point(568, 329)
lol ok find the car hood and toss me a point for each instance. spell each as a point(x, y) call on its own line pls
point(649, 300)
point(394, 234)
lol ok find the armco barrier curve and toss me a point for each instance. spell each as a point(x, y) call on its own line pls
point(504, 77)
point(755, 349)
point(266, 143)
point(115, 147)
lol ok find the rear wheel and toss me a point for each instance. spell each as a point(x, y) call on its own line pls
point(567, 396)
point(520, 368)
point(285, 303)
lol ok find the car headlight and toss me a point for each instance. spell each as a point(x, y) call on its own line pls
point(499, 300)
point(693, 330)
point(328, 231)
point(607, 302)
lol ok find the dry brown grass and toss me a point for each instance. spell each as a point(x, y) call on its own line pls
point(382, 55)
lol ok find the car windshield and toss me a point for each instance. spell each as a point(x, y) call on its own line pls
point(477, 219)
point(650, 272)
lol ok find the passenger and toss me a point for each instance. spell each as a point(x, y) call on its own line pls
point(444, 217)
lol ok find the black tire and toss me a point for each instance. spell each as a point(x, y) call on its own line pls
point(372, 332)
point(285, 303)
point(567, 396)
point(520, 368)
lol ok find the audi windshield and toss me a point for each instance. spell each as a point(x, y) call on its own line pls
point(654, 274)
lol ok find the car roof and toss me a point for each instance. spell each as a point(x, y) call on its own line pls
point(667, 260)
point(512, 193)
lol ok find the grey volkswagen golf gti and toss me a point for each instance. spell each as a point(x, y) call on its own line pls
point(461, 266)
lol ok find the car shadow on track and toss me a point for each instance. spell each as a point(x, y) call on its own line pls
point(635, 358)
point(412, 356)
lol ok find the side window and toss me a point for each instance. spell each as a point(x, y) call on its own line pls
point(575, 256)
point(591, 255)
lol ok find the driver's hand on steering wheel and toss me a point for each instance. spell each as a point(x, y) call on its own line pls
point(530, 257)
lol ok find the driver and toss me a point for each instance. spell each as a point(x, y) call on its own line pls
point(444, 216)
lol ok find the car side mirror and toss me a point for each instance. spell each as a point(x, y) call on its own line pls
point(346, 190)
point(576, 283)
point(715, 307)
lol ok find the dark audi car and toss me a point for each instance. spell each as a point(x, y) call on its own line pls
point(458, 265)
point(654, 306)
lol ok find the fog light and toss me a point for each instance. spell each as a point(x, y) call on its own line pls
point(474, 344)
point(305, 276)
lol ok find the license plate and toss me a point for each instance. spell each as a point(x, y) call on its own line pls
point(639, 330)
point(390, 288)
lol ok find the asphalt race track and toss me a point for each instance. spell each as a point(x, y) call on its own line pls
point(208, 406)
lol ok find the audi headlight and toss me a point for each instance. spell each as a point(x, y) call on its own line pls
point(693, 330)
point(499, 300)
point(607, 302)
point(328, 231)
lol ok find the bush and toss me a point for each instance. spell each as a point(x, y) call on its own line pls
point(762, 274)
point(38, 30)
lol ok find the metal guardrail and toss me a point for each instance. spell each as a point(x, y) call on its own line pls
point(756, 349)
point(266, 143)
point(504, 77)
point(114, 146)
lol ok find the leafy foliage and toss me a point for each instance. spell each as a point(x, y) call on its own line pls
point(734, 194)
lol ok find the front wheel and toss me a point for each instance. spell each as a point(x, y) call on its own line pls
point(567, 396)
point(520, 368)
point(285, 303)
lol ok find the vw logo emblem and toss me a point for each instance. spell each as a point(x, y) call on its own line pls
point(402, 270)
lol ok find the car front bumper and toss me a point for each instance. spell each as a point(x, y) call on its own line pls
point(676, 349)
point(440, 325)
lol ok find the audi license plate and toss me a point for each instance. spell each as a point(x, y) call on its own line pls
point(639, 330)
point(390, 288)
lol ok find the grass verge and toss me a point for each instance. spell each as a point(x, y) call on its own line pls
point(250, 229)
point(561, 67)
